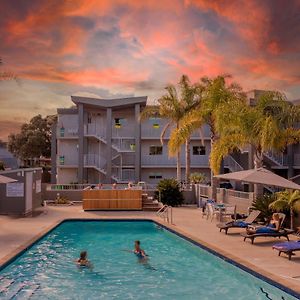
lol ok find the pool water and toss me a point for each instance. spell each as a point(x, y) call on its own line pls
point(177, 269)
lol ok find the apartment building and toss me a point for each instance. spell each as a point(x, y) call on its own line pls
point(103, 140)
point(286, 164)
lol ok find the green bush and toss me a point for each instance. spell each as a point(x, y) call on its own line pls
point(262, 204)
point(170, 193)
point(198, 178)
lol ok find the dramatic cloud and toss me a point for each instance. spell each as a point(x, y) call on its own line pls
point(133, 47)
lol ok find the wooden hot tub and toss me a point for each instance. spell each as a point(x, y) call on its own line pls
point(112, 199)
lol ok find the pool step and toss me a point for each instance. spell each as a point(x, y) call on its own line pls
point(26, 292)
point(5, 283)
point(10, 292)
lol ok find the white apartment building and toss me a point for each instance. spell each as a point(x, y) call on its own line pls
point(104, 141)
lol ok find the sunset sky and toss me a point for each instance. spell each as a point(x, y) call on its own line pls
point(112, 48)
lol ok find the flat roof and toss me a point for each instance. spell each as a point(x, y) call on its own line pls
point(110, 103)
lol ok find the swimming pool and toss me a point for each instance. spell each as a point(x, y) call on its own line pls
point(177, 269)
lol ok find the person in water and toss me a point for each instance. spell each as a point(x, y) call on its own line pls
point(83, 261)
point(272, 227)
point(140, 253)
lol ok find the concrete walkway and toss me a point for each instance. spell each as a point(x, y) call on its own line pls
point(17, 233)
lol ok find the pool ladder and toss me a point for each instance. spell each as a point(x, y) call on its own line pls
point(166, 213)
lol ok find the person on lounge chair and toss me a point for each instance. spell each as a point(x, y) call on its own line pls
point(272, 227)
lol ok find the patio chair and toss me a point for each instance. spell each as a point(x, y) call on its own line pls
point(239, 223)
point(229, 211)
point(282, 232)
point(211, 212)
point(288, 248)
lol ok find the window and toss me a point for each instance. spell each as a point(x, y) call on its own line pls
point(155, 122)
point(199, 150)
point(155, 150)
point(119, 122)
point(155, 176)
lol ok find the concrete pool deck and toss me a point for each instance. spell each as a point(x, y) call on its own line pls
point(17, 233)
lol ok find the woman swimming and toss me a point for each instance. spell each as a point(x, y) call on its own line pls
point(140, 253)
point(82, 261)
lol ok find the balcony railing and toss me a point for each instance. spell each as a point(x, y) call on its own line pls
point(94, 160)
point(124, 174)
point(124, 131)
point(94, 129)
point(67, 160)
point(279, 158)
point(124, 144)
point(67, 133)
point(196, 160)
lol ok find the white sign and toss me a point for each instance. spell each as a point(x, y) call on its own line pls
point(38, 186)
point(15, 189)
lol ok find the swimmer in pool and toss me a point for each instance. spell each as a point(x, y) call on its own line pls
point(140, 253)
point(82, 261)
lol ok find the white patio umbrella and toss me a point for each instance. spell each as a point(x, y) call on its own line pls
point(260, 176)
point(4, 179)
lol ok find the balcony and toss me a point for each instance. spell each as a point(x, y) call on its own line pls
point(124, 131)
point(199, 161)
point(93, 129)
point(124, 144)
point(94, 161)
point(67, 133)
point(297, 160)
point(123, 175)
point(67, 161)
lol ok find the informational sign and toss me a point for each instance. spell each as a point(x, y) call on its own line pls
point(38, 186)
point(15, 189)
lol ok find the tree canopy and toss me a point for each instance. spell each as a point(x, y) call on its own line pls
point(34, 140)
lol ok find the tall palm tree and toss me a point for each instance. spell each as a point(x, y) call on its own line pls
point(266, 126)
point(287, 200)
point(213, 95)
point(173, 106)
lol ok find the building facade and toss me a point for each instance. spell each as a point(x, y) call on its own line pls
point(104, 141)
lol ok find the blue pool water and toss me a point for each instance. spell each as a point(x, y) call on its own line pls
point(177, 269)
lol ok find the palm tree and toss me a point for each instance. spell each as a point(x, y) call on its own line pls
point(213, 95)
point(173, 106)
point(287, 200)
point(266, 126)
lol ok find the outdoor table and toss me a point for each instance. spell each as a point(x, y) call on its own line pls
point(221, 207)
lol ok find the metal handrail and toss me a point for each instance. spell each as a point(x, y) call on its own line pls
point(166, 212)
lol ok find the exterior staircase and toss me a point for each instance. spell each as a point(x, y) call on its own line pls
point(99, 163)
point(148, 204)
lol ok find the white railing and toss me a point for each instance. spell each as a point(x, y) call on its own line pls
point(202, 190)
point(125, 131)
point(123, 175)
point(66, 187)
point(124, 144)
point(232, 164)
point(94, 160)
point(95, 130)
point(157, 160)
point(166, 212)
point(238, 194)
point(67, 160)
point(67, 133)
point(278, 158)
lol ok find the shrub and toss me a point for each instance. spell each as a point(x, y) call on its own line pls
point(62, 200)
point(262, 203)
point(198, 178)
point(170, 193)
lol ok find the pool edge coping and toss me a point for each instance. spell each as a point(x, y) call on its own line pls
point(276, 281)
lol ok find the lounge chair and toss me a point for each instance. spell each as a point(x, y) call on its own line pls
point(239, 223)
point(288, 248)
point(280, 233)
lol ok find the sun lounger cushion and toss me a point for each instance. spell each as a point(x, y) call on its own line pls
point(241, 224)
point(287, 246)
